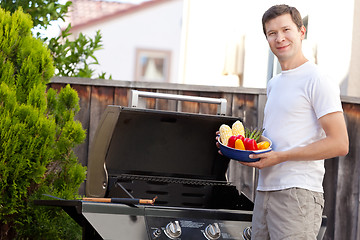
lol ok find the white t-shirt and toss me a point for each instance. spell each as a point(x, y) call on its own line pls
point(296, 99)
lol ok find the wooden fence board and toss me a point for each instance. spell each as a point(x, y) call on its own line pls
point(57, 86)
point(81, 151)
point(190, 107)
point(167, 105)
point(84, 93)
point(347, 196)
point(101, 97)
point(150, 102)
point(330, 180)
point(208, 108)
point(229, 100)
point(121, 96)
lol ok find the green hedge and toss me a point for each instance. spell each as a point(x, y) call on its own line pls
point(37, 136)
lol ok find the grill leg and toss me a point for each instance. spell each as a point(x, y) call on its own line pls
point(89, 233)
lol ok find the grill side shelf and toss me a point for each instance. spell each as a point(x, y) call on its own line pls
point(72, 207)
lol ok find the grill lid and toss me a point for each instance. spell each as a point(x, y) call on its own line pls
point(154, 143)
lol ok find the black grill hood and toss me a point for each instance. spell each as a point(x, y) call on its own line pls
point(154, 143)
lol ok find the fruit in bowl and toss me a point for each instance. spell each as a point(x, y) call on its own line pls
point(238, 142)
point(243, 155)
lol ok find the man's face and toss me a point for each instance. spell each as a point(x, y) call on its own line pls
point(284, 37)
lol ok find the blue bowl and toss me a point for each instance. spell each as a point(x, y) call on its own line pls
point(243, 155)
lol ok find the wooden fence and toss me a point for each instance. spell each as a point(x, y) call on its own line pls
point(341, 183)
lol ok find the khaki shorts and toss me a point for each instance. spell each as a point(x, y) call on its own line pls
point(293, 213)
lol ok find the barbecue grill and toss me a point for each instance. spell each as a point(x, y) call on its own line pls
point(169, 157)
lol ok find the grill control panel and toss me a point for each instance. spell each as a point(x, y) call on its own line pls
point(162, 228)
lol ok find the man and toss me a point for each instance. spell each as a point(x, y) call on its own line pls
point(303, 117)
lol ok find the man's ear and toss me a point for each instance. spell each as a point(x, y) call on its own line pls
point(303, 31)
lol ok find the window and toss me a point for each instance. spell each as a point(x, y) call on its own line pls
point(152, 65)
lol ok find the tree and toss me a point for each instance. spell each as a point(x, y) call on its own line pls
point(71, 58)
point(74, 58)
point(37, 136)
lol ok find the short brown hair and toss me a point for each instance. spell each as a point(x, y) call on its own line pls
point(279, 10)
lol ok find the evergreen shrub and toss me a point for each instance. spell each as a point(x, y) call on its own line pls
point(37, 136)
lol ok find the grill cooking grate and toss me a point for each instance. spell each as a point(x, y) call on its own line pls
point(166, 180)
point(175, 191)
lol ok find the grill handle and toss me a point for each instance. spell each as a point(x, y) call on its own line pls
point(121, 200)
point(136, 102)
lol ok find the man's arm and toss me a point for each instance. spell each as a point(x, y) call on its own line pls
point(336, 143)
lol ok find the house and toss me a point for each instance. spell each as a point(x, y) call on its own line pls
point(141, 42)
point(220, 42)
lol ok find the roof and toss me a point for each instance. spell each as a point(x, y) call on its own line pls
point(89, 12)
point(83, 11)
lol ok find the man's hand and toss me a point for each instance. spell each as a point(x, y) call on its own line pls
point(266, 159)
point(217, 141)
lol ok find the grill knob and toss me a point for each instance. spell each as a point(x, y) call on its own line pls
point(157, 233)
point(247, 233)
point(212, 231)
point(173, 230)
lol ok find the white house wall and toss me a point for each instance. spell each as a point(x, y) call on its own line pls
point(353, 86)
point(332, 30)
point(329, 35)
point(211, 27)
point(157, 27)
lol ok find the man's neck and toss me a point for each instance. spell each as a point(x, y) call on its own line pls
point(294, 63)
